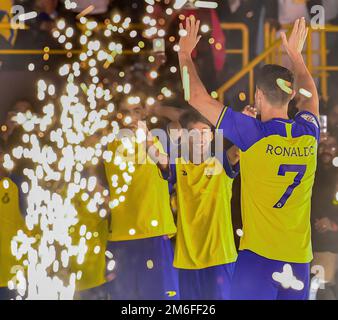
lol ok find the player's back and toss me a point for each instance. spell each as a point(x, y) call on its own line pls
point(278, 164)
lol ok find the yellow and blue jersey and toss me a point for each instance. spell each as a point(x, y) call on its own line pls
point(11, 221)
point(278, 165)
point(145, 211)
point(204, 228)
point(93, 267)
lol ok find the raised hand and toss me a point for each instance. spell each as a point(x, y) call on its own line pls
point(142, 125)
point(323, 225)
point(189, 35)
point(250, 111)
point(295, 44)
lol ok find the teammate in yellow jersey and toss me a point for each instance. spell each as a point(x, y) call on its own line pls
point(278, 164)
point(139, 250)
point(92, 224)
point(205, 250)
point(11, 221)
point(12, 201)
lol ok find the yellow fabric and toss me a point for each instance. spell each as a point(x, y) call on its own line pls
point(11, 221)
point(146, 209)
point(219, 121)
point(278, 233)
point(204, 227)
point(5, 29)
point(93, 267)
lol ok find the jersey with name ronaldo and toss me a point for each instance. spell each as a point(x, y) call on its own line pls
point(278, 164)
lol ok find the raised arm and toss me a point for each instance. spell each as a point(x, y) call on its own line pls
point(155, 154)
point(199, 97)
point(304, 80)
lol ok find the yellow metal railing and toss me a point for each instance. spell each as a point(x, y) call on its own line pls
point(249, 69)
point(244, 51)
point(56, 52)
point(274, 54)
point(21, 26)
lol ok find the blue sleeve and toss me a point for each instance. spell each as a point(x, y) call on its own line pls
point(308, 124)
point(231, 171)
point(240, 129)
point(165, 174)
point(172, 177)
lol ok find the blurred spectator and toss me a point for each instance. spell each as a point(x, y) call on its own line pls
point(285, 12)
point(325, 217)
point(331, 11)
point(10, 127)
point(333, 116)
point(37, 34)
point(210, 51)
point(241, 11)
point(331, 17)
point(47, 13)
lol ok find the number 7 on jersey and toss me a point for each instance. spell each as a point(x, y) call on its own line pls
point(283, 169)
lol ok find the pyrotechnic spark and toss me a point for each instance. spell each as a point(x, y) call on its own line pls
point(287, 279)
point(53, 213)
point(179, 4)
point(186, 83)
point(62, 157)
point(284, 85)
point(305, 93)
point(86, 11)
point(206, 4)
point(28, 16)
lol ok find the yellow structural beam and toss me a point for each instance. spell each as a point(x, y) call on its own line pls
point(273, 52)
point(55, 52)
point(244, 51)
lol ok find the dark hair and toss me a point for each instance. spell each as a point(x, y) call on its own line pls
point(267, 82)
point(193, 116)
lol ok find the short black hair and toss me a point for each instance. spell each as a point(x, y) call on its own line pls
point(267, 82)
point(193, 116)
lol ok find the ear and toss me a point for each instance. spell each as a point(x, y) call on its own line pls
point(258, 92)
point(212, 136)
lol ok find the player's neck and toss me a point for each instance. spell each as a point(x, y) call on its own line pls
point(197, 160)
point(274, 112)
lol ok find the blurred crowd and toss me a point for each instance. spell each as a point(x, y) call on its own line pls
point(254, 13)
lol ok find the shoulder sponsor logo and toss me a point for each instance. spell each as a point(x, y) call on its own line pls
point(310, 118)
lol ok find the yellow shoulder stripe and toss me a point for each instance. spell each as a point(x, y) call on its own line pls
point(221, 117)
